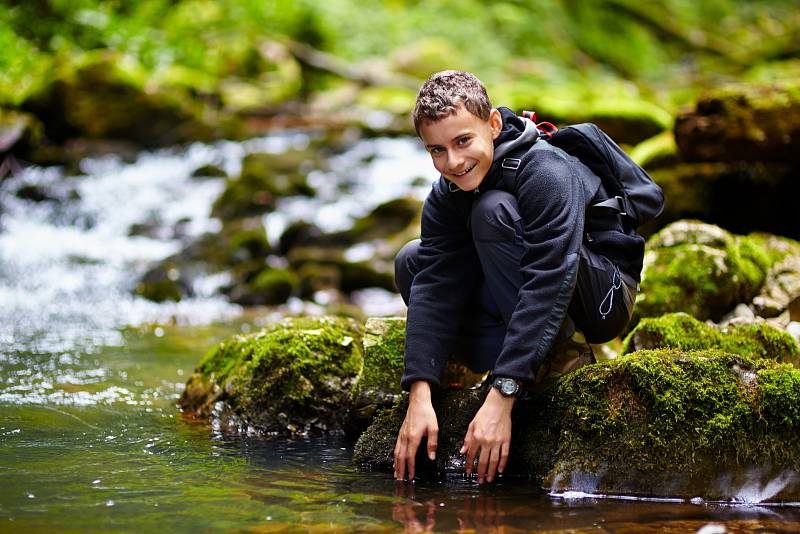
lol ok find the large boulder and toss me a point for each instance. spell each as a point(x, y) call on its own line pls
point(292, 377)
point(742, 123)
point(664, 422)
point(699, 269)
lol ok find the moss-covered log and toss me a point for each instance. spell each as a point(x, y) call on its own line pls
point(660, 422)
point(742, 123)
point(295, 376)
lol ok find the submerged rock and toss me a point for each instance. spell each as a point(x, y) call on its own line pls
point(699, 269)
point(662, 422)
point(680, 331)
point(295, 376)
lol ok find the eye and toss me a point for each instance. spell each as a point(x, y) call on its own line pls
point(436, 150)
point(462, 141)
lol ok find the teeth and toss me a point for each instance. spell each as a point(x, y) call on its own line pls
point(465, 172)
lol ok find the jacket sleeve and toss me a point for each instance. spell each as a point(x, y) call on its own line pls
point(551, 204)
point(449, 270)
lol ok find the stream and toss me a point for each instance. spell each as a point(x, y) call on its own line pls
point(91, 438)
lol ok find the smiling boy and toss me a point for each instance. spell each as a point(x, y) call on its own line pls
point(506, 268)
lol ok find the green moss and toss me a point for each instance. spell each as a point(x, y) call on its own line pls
point(273, 286)
point(680, 331)
point(761, 340)
point(699, 269)
point(654, 422)
point(655, 414)
point(775, 247)
point(294, 376)
point(384, 347)
point(659, 150)
point(159, 290)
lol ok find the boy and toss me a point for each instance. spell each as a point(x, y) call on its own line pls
point(506, 268)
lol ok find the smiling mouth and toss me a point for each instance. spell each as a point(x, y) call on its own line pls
point(466, 171)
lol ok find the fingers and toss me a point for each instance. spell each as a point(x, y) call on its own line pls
point(433, 439)
point(504, 449)
point(400, 459)
point(411, 456)
point(494, 458)
point(483, 463)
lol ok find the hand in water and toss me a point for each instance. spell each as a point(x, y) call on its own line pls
point(420, 421)
point(489, 437)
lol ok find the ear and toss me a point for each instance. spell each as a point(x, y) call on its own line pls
point(495, 122)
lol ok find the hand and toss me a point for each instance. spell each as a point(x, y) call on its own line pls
point(420, 421)
point(489, 436)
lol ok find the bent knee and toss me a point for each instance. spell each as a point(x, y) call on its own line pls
point(495, 216)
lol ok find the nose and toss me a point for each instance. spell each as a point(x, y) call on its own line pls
point(454, 161)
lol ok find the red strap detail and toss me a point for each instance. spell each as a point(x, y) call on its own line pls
point(547, 128)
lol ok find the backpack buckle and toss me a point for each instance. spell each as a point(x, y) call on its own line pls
point(511, 163)
point(621, 203)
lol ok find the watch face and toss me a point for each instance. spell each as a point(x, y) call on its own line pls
point(509, 387)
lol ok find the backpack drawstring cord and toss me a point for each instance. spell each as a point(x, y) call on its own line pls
point(616, 283)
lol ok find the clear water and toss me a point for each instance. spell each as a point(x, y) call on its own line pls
point(90, 435)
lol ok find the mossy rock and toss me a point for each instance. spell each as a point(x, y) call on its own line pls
point(209, 171)
point(674, 423)
point(378, 384)
point(782, 286)
point(386, 219)
point(268, 287)
point(737, 196)
point(239, 247)
point(651, 423)
point(627, 121)
point(106, 97)
point(264, 178)
point(291, 377)
point(742, 123)
point(159, 289)
point(699, 269)
point(680, 331)
point(353, 275)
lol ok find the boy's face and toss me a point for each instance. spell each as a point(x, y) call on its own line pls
point(462, 146)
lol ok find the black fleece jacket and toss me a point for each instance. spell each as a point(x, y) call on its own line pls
point(552, 190)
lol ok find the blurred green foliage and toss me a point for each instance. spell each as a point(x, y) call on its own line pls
point(590, 48)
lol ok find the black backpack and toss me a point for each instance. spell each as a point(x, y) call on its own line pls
point(632, 192)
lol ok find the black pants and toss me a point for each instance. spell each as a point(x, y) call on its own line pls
point(601, 303)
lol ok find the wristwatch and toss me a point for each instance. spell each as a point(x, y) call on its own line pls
point(508, 387)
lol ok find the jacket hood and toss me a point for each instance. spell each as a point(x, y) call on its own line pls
point(516, 133)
